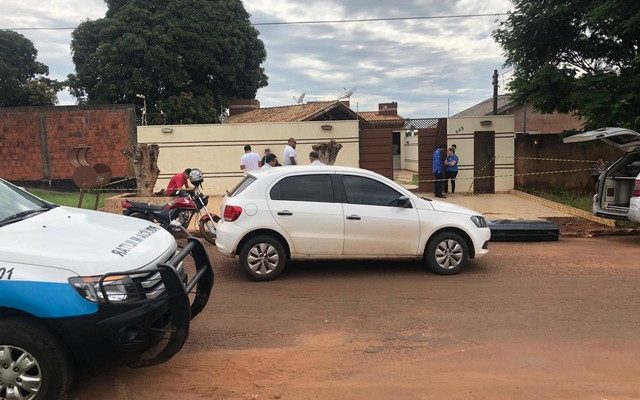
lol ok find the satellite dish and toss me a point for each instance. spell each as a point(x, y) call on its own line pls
point(347, 93)
point(300, 99)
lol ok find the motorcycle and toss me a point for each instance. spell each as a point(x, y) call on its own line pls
point(176, 215)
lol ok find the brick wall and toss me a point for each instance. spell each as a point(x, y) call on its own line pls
point(35, 141)
point(551, 146)
point(544, 123)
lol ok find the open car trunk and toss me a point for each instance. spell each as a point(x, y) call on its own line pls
point(617, 184)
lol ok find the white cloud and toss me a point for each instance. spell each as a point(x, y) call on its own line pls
point(419, 63)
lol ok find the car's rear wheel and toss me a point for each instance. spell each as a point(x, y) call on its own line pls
point(447, 253)
point(33, 363)
point(263, 258)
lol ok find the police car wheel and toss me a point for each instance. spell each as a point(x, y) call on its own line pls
point(33, 363)
point(263, 258)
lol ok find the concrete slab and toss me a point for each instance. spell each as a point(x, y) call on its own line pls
point(503, 206)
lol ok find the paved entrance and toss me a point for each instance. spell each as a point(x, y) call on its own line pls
point(503, 206)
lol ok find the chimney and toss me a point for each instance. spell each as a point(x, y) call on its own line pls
point(237, 107)
point(388, 108)
point(345, 102)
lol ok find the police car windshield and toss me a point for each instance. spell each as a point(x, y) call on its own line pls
point(16, 204)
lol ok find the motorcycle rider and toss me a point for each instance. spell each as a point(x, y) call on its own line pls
point(177, 182)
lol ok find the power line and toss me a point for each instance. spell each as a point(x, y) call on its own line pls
point(316, 22)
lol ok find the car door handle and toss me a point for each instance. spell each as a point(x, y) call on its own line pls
point(285, 212)
point(354, 217)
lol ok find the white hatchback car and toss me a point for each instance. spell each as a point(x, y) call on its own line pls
point(618, 195)
point(328, 212)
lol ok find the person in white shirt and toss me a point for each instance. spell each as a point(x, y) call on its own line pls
point(249, 161)
point(290, 156)
point(314, 158)
point(269, 161)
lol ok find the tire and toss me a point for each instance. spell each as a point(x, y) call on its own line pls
point(22, 336)
point(270, 267)
point(447, 253)
point(206, 233)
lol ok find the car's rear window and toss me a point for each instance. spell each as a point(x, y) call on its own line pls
point(624, 139)
point(248, 180)
point(313, 188)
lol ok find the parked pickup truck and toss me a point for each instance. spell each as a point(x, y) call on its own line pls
point(80, 289)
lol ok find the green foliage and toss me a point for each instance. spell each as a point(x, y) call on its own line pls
point(23, 79)
point(187, 57)
point(579, 56)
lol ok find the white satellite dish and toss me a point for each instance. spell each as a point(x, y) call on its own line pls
point(299, 99)
point(347, 93)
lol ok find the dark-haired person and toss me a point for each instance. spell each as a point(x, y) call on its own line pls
point(249, 160)
point(314, 158)
point(598, 168)
point(450, 170)
point(179, 183)
point(270, 161)
point(438, 170)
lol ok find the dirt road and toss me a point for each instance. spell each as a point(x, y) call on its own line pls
point(530, 321)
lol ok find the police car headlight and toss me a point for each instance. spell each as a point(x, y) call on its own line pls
point(118, 288)
point(479, 221)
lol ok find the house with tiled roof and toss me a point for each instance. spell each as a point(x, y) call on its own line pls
point(375, 128)
point(527, 119)
point(249, 111)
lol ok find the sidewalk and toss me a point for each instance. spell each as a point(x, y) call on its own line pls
point(502, 206)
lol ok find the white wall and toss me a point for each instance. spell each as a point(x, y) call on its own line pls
point(460, 131)
point(216, 148)
point(409, 152)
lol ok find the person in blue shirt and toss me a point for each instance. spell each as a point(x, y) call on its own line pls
point(438, 170)
point(450, 170)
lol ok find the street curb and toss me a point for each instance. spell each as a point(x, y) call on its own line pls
point(564, 208)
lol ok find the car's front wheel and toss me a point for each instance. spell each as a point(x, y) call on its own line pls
point(33, 363)
point(263, 258)
point(447, 253)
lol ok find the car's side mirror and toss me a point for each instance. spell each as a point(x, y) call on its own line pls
point(404, 202)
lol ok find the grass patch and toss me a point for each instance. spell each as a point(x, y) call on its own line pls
point(582, 201)
point(70, 198)
point(415, 179)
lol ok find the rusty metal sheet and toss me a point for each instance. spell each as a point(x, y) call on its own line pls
point(78, 156)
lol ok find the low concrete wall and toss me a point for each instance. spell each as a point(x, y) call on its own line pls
point(216, 149)
point(114, 204)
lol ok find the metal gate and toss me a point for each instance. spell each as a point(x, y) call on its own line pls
point(484, 152)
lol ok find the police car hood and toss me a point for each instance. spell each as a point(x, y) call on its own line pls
point(85, 242)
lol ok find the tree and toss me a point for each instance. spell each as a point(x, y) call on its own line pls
point(576, 56)
point(328, 151)
point(144, 158)
point(23, 80)
point(186, 57)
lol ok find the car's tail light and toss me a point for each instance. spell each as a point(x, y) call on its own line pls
point(636, 188)
point(232, 213)
point(126, 204)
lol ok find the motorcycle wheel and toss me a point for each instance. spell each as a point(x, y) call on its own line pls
point(205, 229)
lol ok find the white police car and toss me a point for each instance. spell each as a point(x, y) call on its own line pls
point(81, 288)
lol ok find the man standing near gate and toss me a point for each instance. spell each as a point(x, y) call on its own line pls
point(438, 170)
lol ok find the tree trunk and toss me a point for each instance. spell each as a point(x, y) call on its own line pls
point(328, 151)
point(144, 158)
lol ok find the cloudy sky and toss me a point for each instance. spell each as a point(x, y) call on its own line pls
point(420, 64)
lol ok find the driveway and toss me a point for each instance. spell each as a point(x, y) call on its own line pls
point(503, 206)
point(529, 321)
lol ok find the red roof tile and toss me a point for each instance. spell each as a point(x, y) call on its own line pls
point(293, 113)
